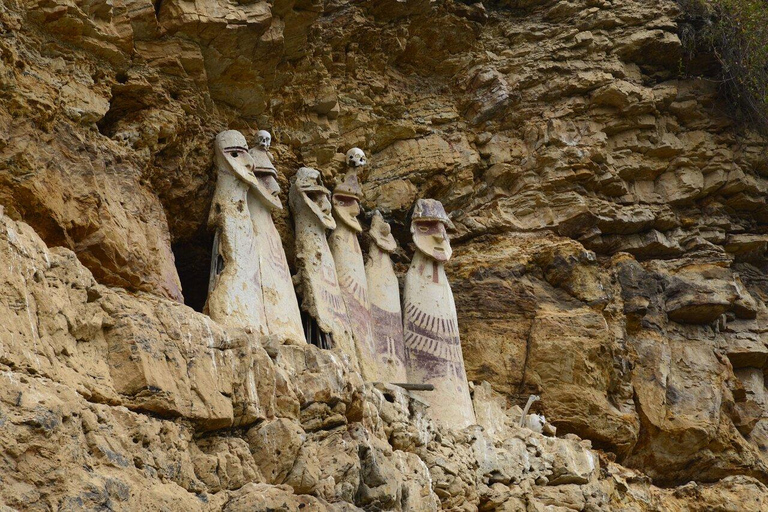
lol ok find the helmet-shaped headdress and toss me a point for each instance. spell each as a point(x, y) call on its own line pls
point(431, 209)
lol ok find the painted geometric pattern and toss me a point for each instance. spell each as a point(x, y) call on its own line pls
point(388, 333)
point(441, 326)
point(433, 335)
point(357, 312)
point(277, 261)
point(350, 285)
point(335, 301)
point(328, 273)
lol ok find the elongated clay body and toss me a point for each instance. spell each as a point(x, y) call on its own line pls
point(319, 285)
point(431, 331)
point(350, 269)
point(280, 304)
point(234, 294)
point(384, 297)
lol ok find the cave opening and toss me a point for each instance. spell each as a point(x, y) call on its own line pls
point(193, 263)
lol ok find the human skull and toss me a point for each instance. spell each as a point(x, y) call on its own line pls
point(356, 158)
point(263, 139)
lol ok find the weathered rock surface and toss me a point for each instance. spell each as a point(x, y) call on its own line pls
point(610, 256)
point(145, 422)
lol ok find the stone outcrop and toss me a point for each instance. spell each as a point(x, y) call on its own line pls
point(609, 256)
point(310, 433)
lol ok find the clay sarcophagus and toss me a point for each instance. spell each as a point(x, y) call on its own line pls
point(431, 331)
point(326, 321)
point(235, 290)
point(281, 307)
point(384, 297)
point(350, 267)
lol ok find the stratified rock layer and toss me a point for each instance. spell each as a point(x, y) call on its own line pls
point(610, 255)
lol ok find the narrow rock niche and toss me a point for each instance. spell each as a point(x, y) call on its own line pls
point(193, 263)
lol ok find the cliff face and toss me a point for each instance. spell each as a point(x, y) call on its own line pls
point(610, 256)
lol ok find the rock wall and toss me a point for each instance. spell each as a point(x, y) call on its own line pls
point(610, 256)
point(111, 401)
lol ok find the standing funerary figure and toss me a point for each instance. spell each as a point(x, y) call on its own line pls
point(325, 317)
point(432, 345)
point(234, 289)
point(384, 296)
point(281, 308)
point(350, 266)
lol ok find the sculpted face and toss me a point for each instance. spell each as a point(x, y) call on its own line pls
point(232, 152)
point(265, 174)
point(268, 189)
point(315, 195)
point(431, 238)
point(382, 234)
point(347, 208)
point(321, 206)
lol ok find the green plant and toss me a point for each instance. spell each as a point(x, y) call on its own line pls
point(735, 32)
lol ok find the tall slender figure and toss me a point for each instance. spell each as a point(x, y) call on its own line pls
point(281, 308)
point(234, 290)
point(325, 317)
point(350, 266)
point(432, 344)
point(384, 296)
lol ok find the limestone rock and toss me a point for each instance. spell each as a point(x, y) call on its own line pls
point(700, 298)
point(224, 463)
point(572, 463)
point(264, 498)
point(610, 254)
point(275, 446)
point(88, 454)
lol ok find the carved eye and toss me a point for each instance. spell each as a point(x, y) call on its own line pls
point(424, 229)
point(234, 154)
